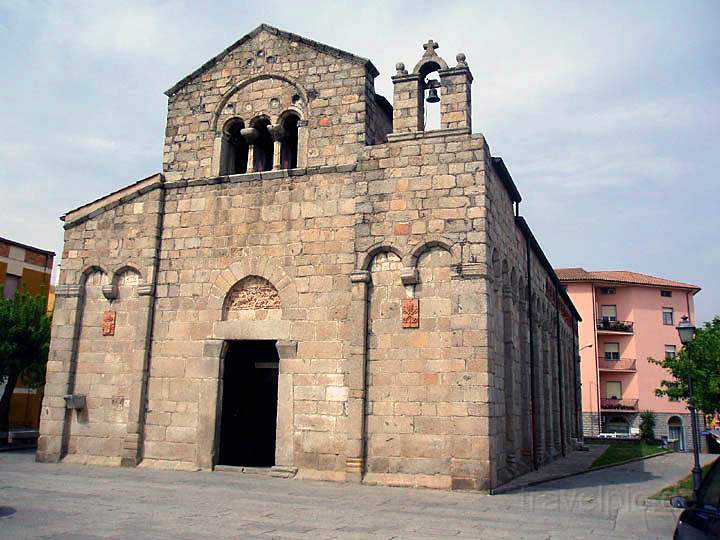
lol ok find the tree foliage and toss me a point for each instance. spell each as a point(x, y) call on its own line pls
point(24, 344)
point(647, 427)
point(701, 358)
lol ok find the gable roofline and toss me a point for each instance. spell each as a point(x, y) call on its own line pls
point(506, 179)
point(111, 200)
point(288, 35)
point(621, 277)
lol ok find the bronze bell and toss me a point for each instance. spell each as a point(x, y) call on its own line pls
point(432, 87)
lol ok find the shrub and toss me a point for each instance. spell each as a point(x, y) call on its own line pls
point(647, 427)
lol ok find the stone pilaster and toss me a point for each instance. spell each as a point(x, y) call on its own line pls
point(355, 374)
point(138, 364)
point(55, 418)
point(209, 400)
point(284, 449)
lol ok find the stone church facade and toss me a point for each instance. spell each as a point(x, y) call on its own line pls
point(316, 284)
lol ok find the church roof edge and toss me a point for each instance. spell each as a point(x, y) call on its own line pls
point(273, 30)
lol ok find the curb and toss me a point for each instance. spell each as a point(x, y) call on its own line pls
point(501, 489)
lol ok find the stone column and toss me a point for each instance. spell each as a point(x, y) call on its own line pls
point(250, 135)
point(278, 135)
point(251, 159)
point(355, 378)
point(138, 366)
point(60, 378)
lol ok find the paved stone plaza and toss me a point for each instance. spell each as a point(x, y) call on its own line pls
point(64, 501)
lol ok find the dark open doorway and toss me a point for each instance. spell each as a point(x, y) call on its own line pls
point(249, 404)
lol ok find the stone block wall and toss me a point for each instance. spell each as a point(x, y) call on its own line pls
point(108, 265)
point(332, 89)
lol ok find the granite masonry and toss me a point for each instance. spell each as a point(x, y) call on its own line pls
point(315, 284)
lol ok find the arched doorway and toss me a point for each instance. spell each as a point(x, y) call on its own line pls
point(249, 375)
point(676, 432)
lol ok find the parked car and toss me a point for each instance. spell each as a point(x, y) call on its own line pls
point(701, 519)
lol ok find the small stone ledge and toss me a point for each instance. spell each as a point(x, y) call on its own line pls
point(269, 175)
point(67, 290)
point(415, 135)
point(472, 271)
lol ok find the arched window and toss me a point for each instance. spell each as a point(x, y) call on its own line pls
point(431, 90)
point(430, 100)
point(289, 148)
point(234, 154)
point(263, 147)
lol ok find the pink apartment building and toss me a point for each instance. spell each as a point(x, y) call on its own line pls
point(626, 318)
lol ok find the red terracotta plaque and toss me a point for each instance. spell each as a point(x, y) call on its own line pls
point(108, 323)
point(411, 313)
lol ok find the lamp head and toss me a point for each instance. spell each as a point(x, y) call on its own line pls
point(686, 330)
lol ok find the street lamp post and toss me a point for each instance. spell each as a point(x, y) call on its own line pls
point(686, 331)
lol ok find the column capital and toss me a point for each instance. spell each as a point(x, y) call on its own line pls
point(277, 132)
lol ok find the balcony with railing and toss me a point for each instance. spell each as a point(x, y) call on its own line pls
point(614, 327)
point(617, 364)
point(619, 405)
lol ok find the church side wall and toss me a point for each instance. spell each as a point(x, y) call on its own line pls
point(516, 342)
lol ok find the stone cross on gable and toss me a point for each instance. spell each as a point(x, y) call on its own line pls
point(430, 47)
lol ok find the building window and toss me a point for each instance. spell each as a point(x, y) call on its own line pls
point(289, 148)
point(234, 156)
point(670, 351)
point(668, 317)
point(613, 390)
point(264, 147)
point(609, 313)
point(607, 290)
point(612, 351)
point(666, 294)
point(11, 285)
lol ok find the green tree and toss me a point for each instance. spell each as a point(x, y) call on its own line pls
point(24, 344)
point(701, 358)
point(647, 427)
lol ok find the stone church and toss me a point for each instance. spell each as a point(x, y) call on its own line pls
point(315, 284)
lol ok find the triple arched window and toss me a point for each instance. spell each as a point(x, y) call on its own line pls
point(260, 146)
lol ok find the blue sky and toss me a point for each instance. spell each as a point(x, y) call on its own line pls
point(607, 114)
